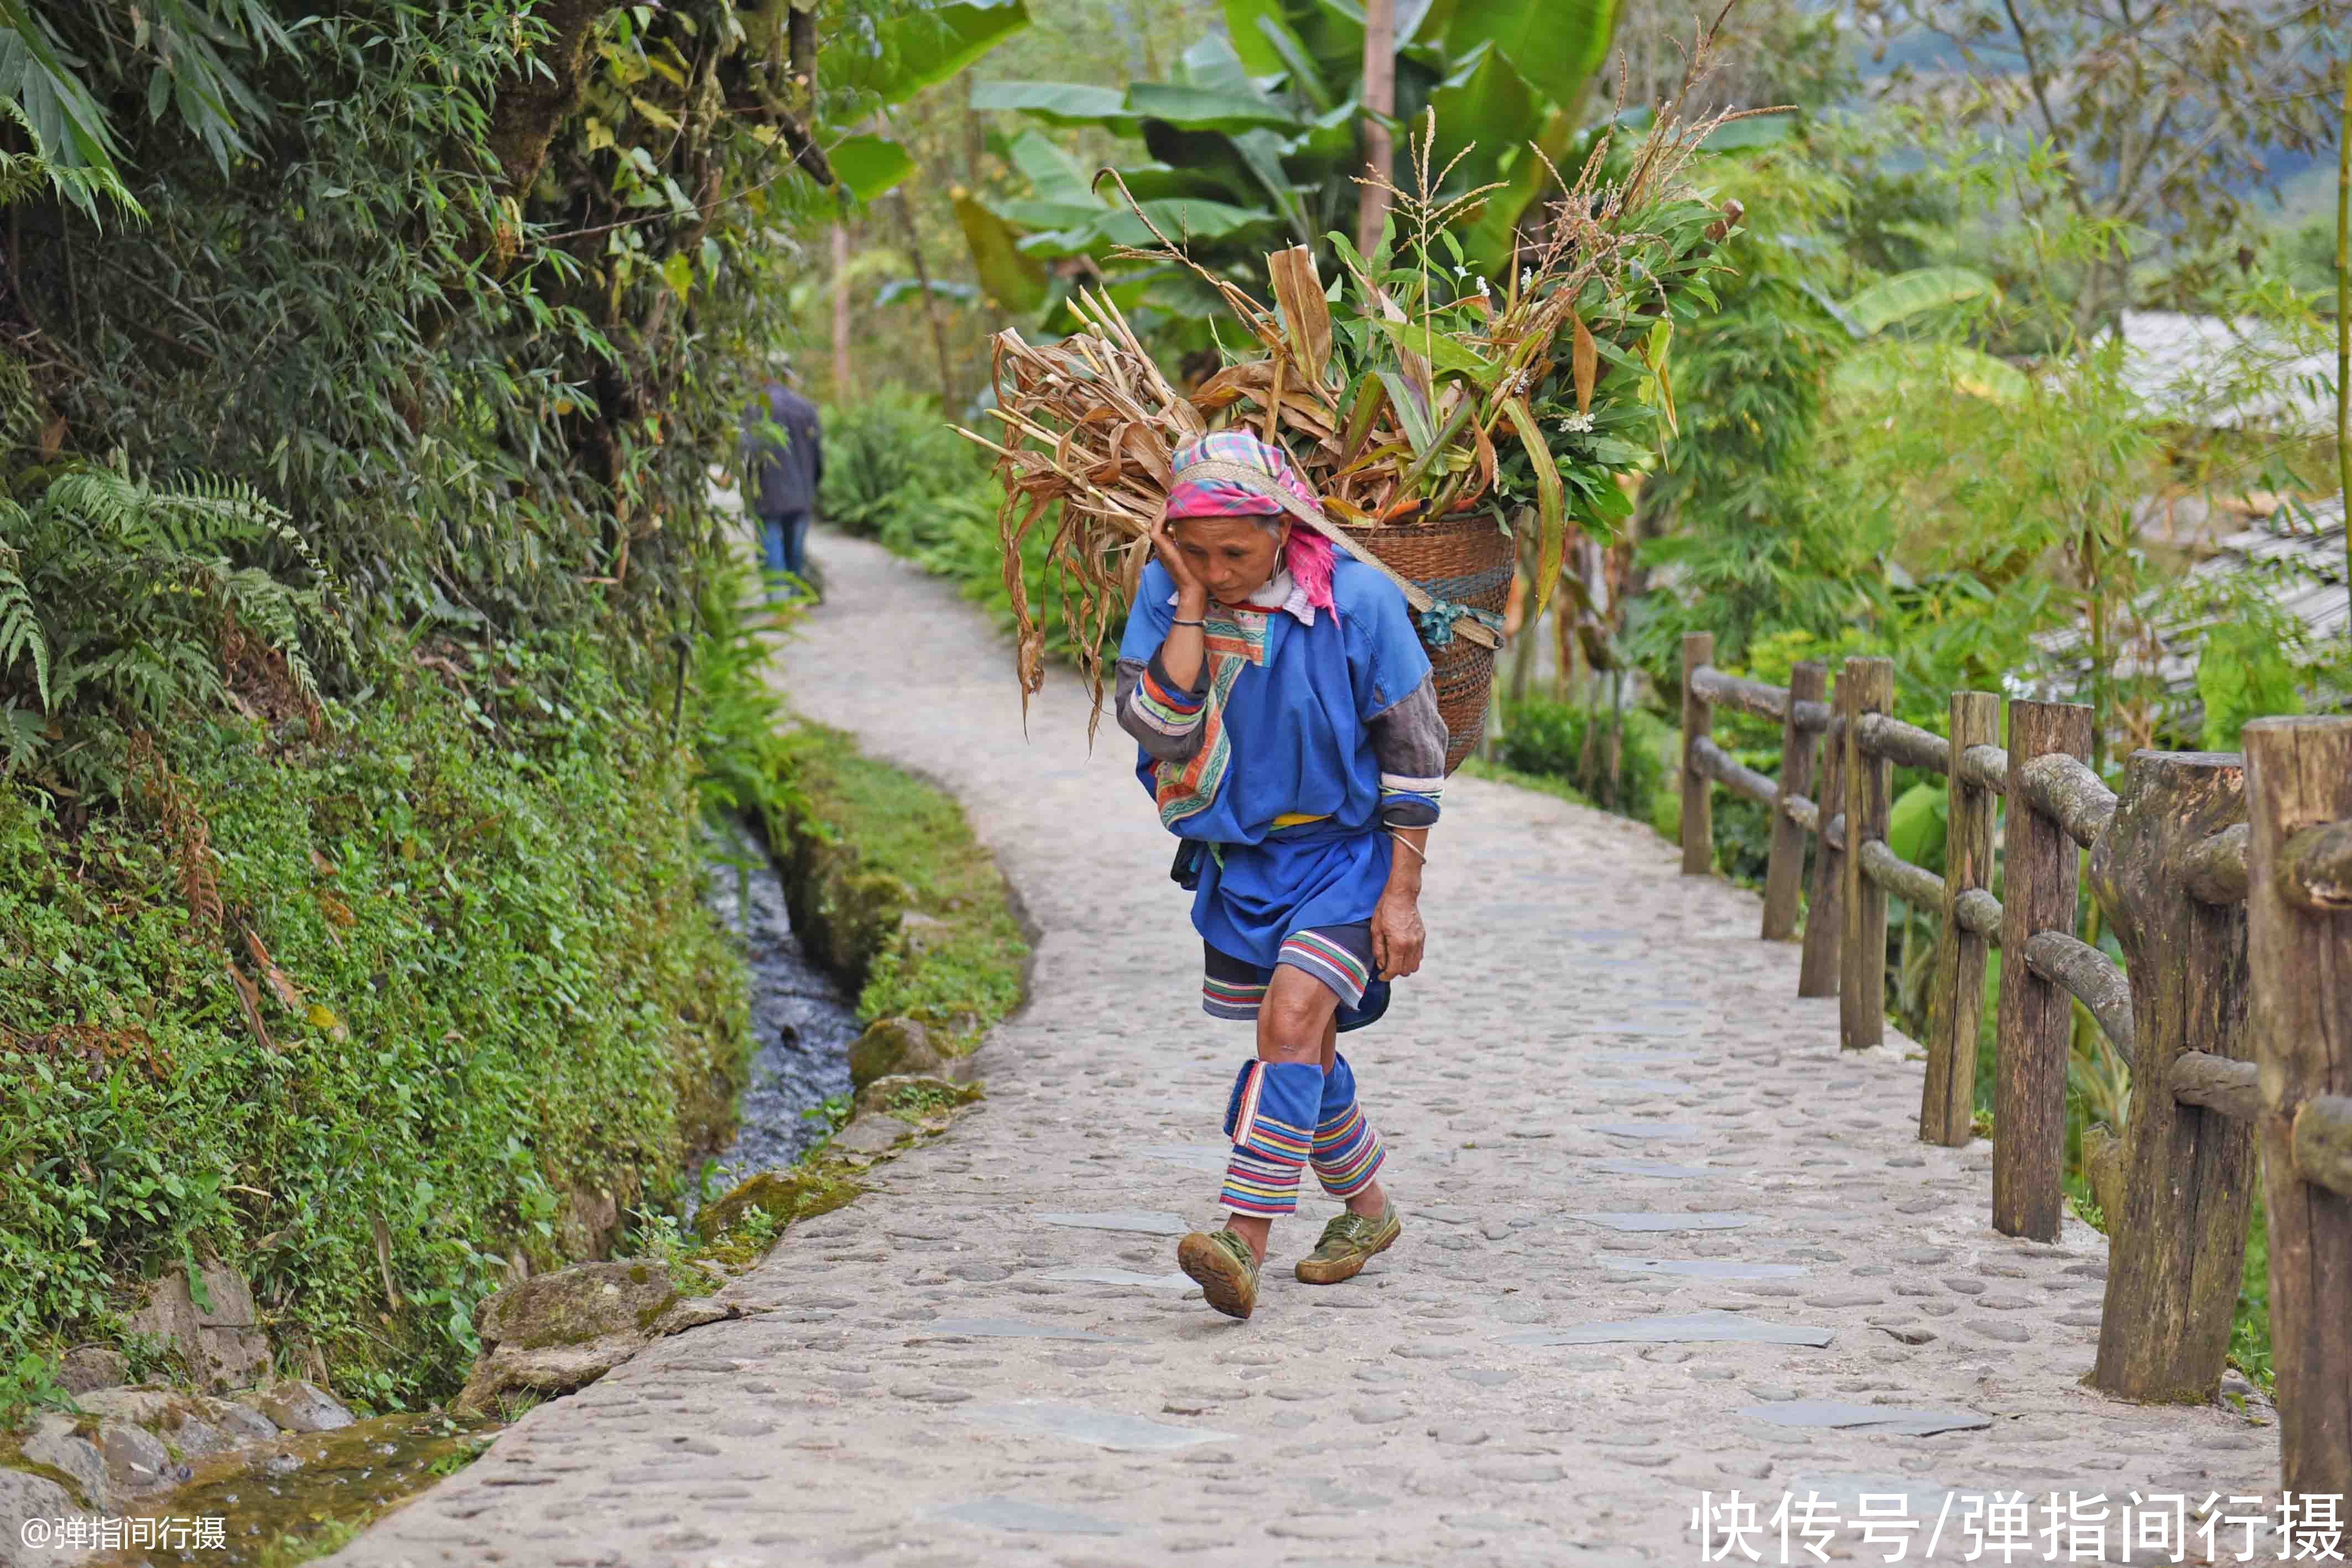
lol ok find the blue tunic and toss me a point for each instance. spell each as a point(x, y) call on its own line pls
point(1284, 732)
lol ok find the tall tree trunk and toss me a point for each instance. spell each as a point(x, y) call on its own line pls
point(1379, 98)
point(975, 134)
point(800, 36)
point(930, 300)
point(841, 371)
point(526, 112)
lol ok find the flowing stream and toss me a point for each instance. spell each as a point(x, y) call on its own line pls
point(802, 1025)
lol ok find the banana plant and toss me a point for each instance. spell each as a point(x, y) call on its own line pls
point(1893, 365)
point(889, 61)
point(1254, 145)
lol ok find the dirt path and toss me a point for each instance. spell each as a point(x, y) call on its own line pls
point(1602, 1102)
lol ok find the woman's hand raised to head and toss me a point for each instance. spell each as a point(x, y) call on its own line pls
point(1191, 594)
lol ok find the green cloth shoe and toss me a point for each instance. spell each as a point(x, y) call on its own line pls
point(1349, 1242)
point(1225, 1269)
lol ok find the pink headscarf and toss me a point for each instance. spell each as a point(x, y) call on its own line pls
point(1308, 557)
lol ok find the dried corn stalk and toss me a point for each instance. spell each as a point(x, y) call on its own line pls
point(1406, 406)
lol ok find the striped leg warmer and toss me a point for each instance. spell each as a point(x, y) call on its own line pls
point(1271, 1120)
point(1348, 1153)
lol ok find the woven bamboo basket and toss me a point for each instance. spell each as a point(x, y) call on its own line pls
point(1467, 559)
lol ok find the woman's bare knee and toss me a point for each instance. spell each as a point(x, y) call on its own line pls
point(1296, 1017)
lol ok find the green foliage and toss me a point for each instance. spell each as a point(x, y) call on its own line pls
point(959, 969)
point(1254, 145)
point(742, 753)
point(1737, 517)
point(1917, 824)
point(895, 473)
point(887, 457)
point(126, 605)
point(503, 988)
point(480, 342)
point(1578, 745)
point(2243, 673)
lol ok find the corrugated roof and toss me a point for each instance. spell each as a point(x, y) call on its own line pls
point(2294, 559)
point(2227, 372)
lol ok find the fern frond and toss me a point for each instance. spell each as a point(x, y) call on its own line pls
point(22, 637)
point(18, 418)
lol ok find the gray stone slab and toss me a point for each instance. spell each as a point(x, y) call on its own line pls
point(1711, 1219)
point(1640, 1058)
point(1149, 1221)
point(1707, 1268)
point(1679, 1328)
point(1004, 1328)
point(1111, 1430)
point(1027, 1518)
point(1889, 1418)
point(1650, 1129)
point(1101, 1276)
point(1665, 1170)
point(1208, 1158)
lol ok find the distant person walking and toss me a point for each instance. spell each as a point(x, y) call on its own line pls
point(783, 464)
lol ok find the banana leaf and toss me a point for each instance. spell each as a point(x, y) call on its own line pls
point(1556, 44)
point(1206, 108)
point(868, 166)
point(1915, 293)
point(1014, 281)
point(1057, 103)
point(925, 47)
point(1485, 105)
point(1052, 173)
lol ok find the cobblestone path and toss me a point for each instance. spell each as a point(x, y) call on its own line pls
point(1651, 1214)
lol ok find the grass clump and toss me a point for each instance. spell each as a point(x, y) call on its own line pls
point(959, 954)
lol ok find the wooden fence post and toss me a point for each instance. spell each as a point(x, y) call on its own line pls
point(2177, 1253)
point(2043, 872)
point(2299, 776)
point(1819, 972)
point(1784, 874)
point(1698, 724)
point(1868, 687)
point(1948, 1102)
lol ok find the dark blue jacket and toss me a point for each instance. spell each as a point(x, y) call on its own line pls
point(781, 476)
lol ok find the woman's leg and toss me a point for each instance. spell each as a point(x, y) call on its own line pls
point(1370, 1199)
point(1297, 1026)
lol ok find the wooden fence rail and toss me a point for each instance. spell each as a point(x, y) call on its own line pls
point(2227, 882)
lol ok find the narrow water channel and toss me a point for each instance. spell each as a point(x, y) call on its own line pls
point(802, 1024)
point(306, 1492)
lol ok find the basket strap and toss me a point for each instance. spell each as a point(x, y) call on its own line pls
point(1263, 483)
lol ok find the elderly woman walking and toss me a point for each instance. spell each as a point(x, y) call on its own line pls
point(1290, 738)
